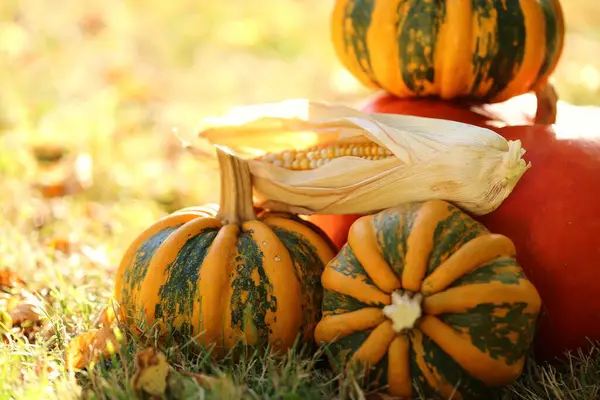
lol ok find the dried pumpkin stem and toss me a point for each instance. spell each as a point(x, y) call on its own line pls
point(405, 310)
point(235, 205)
point(547, 106)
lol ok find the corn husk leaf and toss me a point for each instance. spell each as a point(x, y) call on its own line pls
point(470, 166)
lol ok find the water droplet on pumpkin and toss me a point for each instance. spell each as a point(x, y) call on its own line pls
point(277, 258)
point(264, 243)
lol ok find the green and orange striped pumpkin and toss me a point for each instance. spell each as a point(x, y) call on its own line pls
point(226, 276)
point(489, 50)
point(424, 295)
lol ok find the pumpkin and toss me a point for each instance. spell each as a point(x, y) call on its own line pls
point(483, 50)
point(422, 292)
point(227, 275)
point(553, 217)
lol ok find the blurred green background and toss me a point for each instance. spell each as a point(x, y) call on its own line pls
point(113, 77)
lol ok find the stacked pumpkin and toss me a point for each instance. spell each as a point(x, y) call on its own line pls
point(470, 62)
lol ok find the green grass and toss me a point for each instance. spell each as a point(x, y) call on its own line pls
point(111, 79)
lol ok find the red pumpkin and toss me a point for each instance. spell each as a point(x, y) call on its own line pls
point(520, 110)
point(553, 217)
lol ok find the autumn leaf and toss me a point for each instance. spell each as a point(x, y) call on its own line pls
point(108, 316)
point(88, 348)
point(152, 370)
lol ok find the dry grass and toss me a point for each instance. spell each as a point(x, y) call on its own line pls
point(111, 79)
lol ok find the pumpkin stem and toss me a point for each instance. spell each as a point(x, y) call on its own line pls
point(235, 205)
point(547, 108)
point(404, 311)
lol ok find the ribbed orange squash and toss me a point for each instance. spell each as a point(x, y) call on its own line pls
point(486, 50)
point(424, 293)
point(226, 276)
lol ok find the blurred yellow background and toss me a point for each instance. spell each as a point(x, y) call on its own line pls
point(112, 78)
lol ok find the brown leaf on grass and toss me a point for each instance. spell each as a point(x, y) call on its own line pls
point(107, 316)
point(152, 370)
point(23, 312)
point(88, 348)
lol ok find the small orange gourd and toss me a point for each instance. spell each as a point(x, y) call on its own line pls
point(424, 294)
point(226, 275)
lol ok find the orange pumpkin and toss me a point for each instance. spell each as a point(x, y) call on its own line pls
point(227, 275)
point(553, 217)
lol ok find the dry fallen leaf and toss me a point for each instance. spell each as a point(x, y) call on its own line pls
point(25, 314)
point(22, 313)
point(87, 348)
point(108, 316)
point(152, 370)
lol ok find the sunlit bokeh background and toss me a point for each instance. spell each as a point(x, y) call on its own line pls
point(108, 80)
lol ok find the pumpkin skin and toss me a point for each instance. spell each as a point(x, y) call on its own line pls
point(553, 217)
point(479, 49)
point(227, 275)
point(484, 115)
point(478, 308)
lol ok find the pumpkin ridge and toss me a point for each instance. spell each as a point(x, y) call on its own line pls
point(425, 368)
point(500, 344)
point(374, 348)
point(176, 295)
point(500, 64)
point(249, 292)
point(417, 48)
point(398, 377)
point(357, 14)
point(208, 316)
point(318, 241)
point(284, 284)
point(347, 264)
point(362, 240)
point(455, 68)
point(445, 369)
point(479, 364)
point(467, 258)
point(462, 298)
point(308, 267)
point(385, 18)
point(420, 242)
point(503, 269)
point(451, 234)
point(534, 51)
point(135, 266)
point(335, 327)
point(335, 303)
point(553, 19)
point(333, 280)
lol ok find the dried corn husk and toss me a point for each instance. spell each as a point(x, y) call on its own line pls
point(472, 167)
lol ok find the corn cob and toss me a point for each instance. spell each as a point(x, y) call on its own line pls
point(317, 156)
